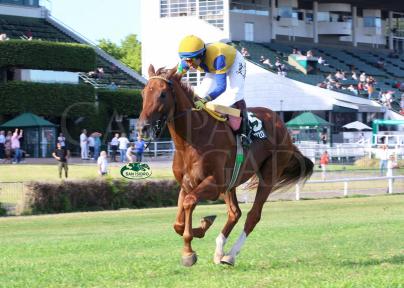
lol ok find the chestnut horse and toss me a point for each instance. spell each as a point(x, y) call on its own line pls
point(205, 152)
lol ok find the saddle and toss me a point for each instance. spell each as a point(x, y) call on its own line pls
point(256, 129)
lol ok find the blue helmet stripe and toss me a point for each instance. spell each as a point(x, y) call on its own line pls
point(191, 54)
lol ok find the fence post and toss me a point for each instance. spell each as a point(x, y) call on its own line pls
point(155, 149)
point(297, 191)
point(390, 191)
point(346, 188)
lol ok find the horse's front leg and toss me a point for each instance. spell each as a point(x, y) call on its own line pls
point(207, 189)
point(234, 214)
point(179, 224)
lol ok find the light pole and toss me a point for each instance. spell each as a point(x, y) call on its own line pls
point(281, 109)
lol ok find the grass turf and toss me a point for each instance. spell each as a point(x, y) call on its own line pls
point(356, 242)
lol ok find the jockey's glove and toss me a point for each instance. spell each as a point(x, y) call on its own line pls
point(200, 103)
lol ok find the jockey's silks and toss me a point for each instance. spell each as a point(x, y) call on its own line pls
point(218, 60)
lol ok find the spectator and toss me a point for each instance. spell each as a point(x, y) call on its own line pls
point(389, 99)
point(309, 54)
point(114, 69)
point(62, 156)
point(7, 148)
point(321, 61)
point(15, 145)
point(114, 147)
point(266, 61)
point(3, 37)
point(139, 148)
point(380, 63)
point(352, 89)
point(245, 52)
point(28, 34)
point(383, 156)
point(112, 86)
point(84, 145)
point(323, 137)
point(91, 145)
point(62, 140)
point(296, 51)
point(2, 145)
point(354, 76)
point(324, 160)
point(100, 72)
point(102, 163)
point(97, 144)
point(402, 104)
point(339, 75)
point(130, 153)
point(280, 68)
point(123, 146)
point(362, 77)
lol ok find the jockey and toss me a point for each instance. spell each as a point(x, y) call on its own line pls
point(223, 83)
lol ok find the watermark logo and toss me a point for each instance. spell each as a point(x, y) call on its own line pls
point(136, 170)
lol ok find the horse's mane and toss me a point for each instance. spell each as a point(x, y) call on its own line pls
point(185, 86)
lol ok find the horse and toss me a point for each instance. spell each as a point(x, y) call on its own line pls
point(205, 153)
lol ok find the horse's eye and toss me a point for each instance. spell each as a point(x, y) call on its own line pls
point(163, 95)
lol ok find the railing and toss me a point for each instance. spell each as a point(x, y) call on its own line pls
point(346, 181)
point(13, 196)
point(91, 81)
point(160, 148)
point(82, 39)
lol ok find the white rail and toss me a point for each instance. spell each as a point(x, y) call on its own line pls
point(345, 181)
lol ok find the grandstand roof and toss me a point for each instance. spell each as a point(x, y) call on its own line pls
point(386, 5)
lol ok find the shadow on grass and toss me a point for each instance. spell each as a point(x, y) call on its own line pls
point(395, 260)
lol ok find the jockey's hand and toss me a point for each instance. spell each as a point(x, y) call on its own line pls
point(200, 103)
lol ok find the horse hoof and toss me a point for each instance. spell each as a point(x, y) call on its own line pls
point(228, 260)
point(217, 258)
point(207, 221)
point(189, 260)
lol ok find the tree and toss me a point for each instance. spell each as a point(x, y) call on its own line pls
point(129, 52)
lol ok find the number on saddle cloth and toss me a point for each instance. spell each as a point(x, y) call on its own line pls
point(256, 128)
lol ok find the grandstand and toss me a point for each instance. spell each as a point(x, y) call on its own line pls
point(49, 29)
point(364, 36)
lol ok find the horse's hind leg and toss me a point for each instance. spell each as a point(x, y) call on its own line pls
point(234, 214)
point(269, 176)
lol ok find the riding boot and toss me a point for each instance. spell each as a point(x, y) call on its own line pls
point(244, 131)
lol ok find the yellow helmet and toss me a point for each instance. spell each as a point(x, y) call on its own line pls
point(191, 46)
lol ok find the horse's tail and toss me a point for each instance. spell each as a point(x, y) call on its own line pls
point(299, 168)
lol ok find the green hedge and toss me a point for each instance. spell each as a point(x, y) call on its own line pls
point(123, 101)
point(94, 195)
point(45, 99)
point(44, 55)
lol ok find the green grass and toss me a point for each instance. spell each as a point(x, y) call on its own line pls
point(30, 172)
point(355, 242)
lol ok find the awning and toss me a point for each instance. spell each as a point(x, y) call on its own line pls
point(357, 126)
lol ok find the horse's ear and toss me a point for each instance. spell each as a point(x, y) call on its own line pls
point(151, 71)
point(171, 72)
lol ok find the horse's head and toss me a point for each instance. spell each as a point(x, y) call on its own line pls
point(158, 101)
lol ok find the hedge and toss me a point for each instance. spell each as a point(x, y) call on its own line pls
point(123, 101)
point(44, 55)
point(45, 99)
point(95, 195)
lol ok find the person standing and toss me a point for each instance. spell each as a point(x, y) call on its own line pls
point(7, 148)
point(97, 144)
point(139, 148)
point(102, 163)
point(2, 145)
point(123, 146)
point(62, 140)
point(114, 147)
point(15, 145)
point(84, 145)
point(384, 157)
point(61, 155)
point(324, 160)
point(91, 149)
